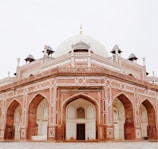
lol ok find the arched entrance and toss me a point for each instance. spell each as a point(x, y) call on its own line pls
point(123, 118)
point(119, 119)
point(38, 118)
point(13, 121)
point(80, 120)
point(147, 120)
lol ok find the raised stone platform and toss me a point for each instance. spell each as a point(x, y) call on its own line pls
point(51, 145)
point(39, 138)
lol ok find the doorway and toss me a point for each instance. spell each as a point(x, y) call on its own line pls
point(80, 132)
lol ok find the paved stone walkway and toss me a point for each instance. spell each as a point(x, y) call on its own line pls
point(51, 145)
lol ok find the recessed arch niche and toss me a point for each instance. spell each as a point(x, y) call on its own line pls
point(13, 121)
point(80, 120)
point(147, 120)
point(38, 118)
point(123, 118)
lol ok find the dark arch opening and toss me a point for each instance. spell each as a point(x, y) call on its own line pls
point(129, 132)
point(32, 115)
point(10, 129)
point(151, 128)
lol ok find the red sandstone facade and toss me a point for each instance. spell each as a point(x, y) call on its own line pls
point(79, 96)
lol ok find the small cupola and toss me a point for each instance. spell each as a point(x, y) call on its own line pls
point(29, 59)
point(116, 53)
point(116, 50)
point(48, 50)
point(80, 46)
point(132, 58)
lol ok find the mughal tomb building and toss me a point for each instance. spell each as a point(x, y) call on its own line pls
point(79, 92)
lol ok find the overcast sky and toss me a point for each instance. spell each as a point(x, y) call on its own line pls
point(27, 25)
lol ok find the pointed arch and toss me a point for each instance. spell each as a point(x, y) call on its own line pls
point(14, 100)
point(13, 120)
point(147, 119)
point(121, 94)
point(124, 126)
point(37, 95)
point(148, 104)
point(80, 117)
point(127, 105)
point(36, 115)
point(80, 95)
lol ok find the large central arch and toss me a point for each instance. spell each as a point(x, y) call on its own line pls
point(80, 118)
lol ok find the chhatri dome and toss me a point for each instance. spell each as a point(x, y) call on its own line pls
point(67, 45)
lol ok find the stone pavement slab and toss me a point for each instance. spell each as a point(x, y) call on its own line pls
point(52, 145)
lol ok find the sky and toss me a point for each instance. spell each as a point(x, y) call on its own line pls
point(27, 25)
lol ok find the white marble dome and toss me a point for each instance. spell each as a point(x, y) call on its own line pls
point(66, 46)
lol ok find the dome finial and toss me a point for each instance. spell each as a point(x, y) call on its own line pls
point(81, 29)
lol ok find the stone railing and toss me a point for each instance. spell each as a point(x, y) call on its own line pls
point(7, 80)
point(152, 79)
